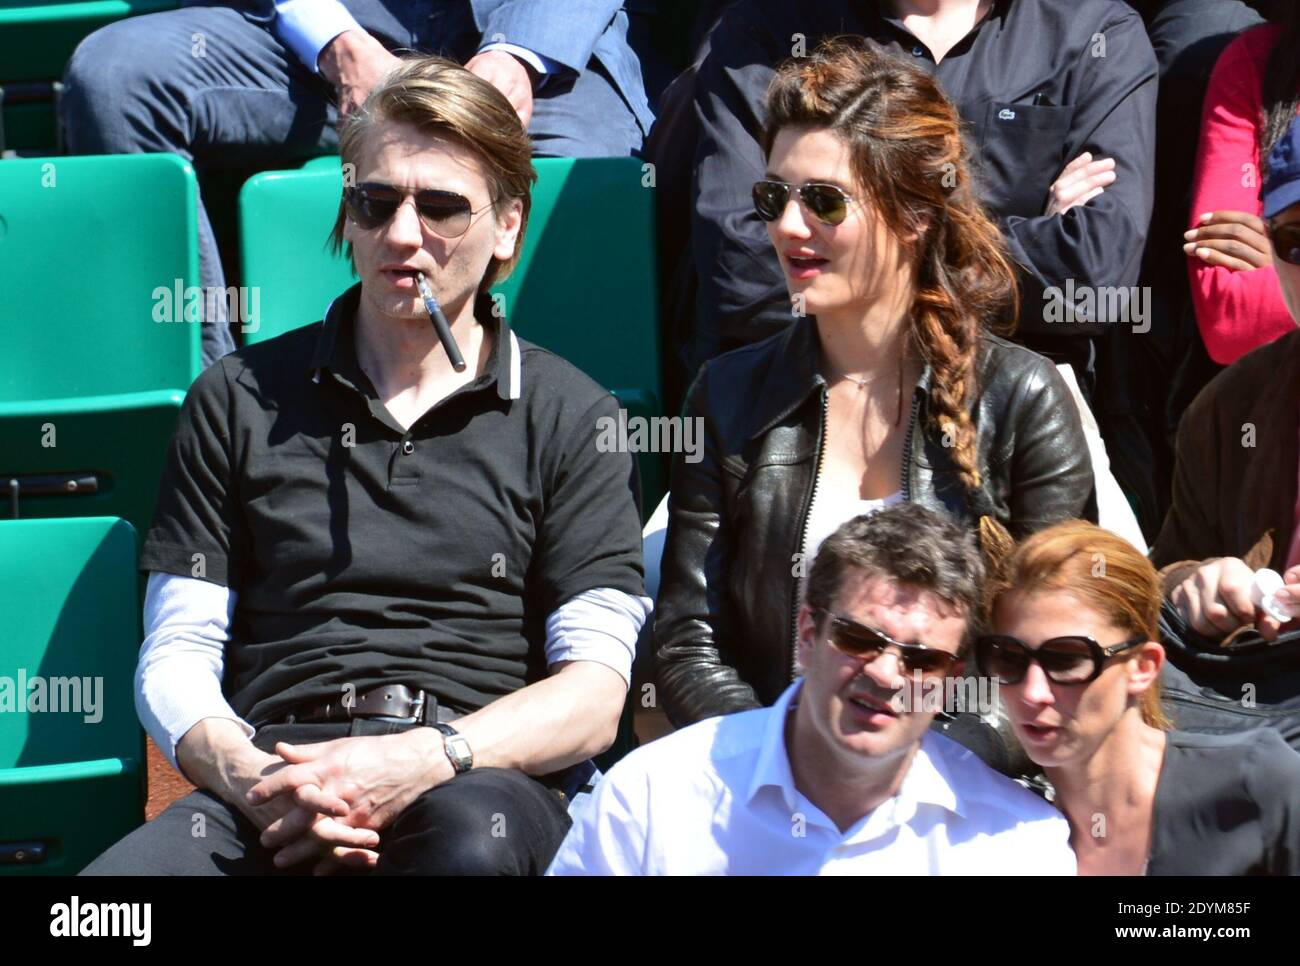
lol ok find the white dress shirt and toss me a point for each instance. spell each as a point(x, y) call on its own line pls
point(719, 798)
point(187, 620)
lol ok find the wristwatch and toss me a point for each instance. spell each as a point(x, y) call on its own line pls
point(457, 748)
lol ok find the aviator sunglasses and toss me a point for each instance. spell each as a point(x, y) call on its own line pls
point(444, 213)
point(828, 203)
point(860, 641)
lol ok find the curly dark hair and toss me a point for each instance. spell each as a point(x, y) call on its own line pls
point(908, 543)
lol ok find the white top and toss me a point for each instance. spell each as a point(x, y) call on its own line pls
point(831, 508)
point(719, 798)
point(186, 627)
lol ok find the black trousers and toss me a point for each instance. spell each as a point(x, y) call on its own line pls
point(489, 821)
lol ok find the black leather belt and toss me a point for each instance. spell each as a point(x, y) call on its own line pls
point(385, 701)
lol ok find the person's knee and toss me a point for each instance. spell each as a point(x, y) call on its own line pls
point(109, 89)
point(195, 835)
point(488, 822)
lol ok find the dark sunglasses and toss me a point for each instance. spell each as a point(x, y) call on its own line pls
point(444, 213)
point(828, 203)
point(1074, 659)
point(1286, 240)
point(860, 641)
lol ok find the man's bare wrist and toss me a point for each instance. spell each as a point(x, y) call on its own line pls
point(436, 768)
point(213, 751)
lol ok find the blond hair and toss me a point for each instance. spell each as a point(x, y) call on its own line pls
point(438, 97)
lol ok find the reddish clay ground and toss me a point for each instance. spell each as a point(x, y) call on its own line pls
point(166, 784)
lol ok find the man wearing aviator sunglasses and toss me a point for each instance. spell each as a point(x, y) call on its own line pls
point(421, 585)
point(835, 778)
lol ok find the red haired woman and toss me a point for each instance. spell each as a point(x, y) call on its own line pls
point(1076, 658)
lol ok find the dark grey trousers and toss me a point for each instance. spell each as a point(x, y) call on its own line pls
point(489, 821)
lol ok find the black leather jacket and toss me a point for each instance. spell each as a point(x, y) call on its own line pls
point(725, 620)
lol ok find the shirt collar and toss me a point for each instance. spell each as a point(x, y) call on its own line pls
point(335, 349)
point(773, 765)
point(928, 780)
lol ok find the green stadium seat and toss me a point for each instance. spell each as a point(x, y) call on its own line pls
point(36, 39)
point(90, 382)
point(71, 772)
point(118, 442)
point(584, 286)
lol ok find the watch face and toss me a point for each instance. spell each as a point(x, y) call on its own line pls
point(458, 751)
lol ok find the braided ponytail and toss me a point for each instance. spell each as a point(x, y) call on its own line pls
point(964, 285)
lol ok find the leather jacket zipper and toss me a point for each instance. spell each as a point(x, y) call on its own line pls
point(907, 448)
point(803, 538)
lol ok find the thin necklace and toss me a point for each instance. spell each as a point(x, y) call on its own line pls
point(865, 381)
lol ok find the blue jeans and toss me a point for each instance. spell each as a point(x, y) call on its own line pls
point(220, 90)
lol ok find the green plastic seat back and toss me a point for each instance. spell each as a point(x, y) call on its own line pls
point(93, 253)
point(37, 37)
point(285, 218)
point(68, 593)
point(584, 286)
point(120, 440)
point(71, 750)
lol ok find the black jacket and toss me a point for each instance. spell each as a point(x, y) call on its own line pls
point(727, 602)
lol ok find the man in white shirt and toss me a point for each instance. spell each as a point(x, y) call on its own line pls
point(843, 774)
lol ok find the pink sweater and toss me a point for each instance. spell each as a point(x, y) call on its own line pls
point(1236, 311)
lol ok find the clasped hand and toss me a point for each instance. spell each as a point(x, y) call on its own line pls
point(337, 795)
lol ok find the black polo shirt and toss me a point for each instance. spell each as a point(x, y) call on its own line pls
point(364, 554)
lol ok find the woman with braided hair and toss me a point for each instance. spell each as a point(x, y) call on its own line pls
point(888, 385)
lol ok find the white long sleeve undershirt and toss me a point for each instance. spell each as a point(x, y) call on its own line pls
point(187, 625)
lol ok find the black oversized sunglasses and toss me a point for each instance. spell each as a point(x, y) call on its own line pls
point(1286, 240)
point(444, 213)
point(828, 203)
point(1073, 659)
point(860, 641)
